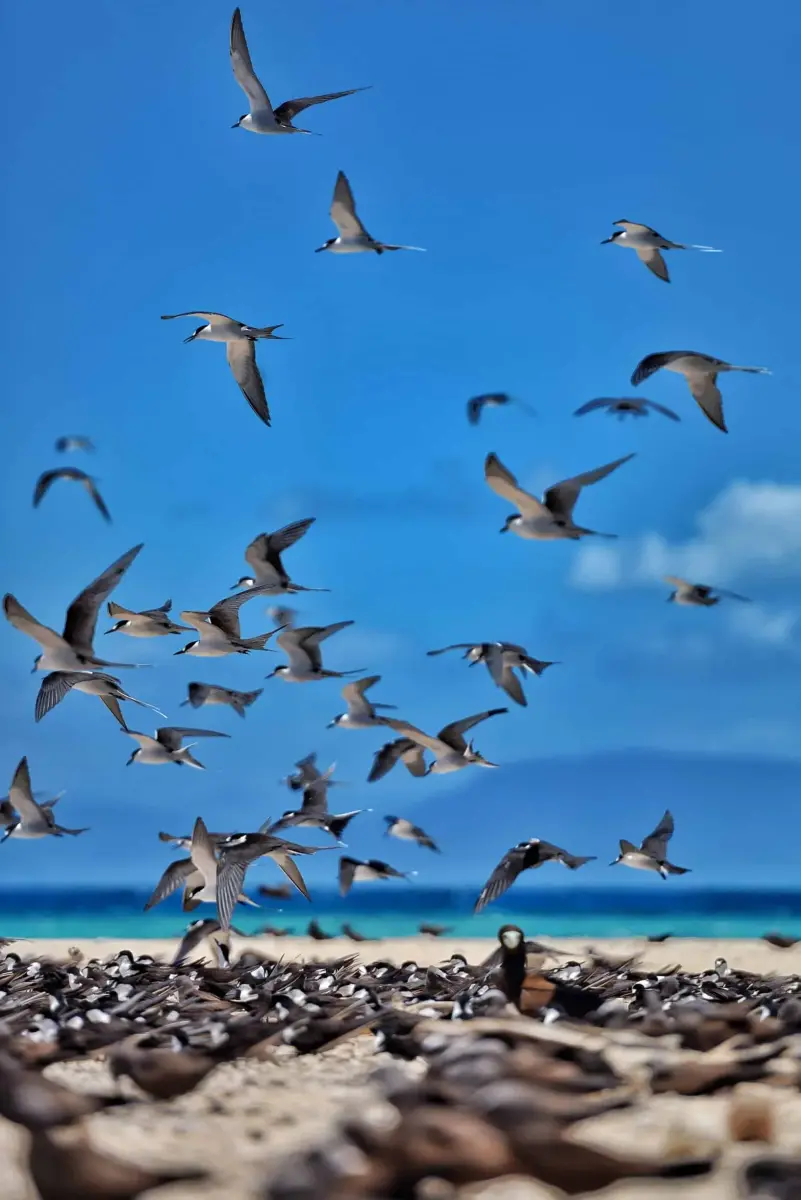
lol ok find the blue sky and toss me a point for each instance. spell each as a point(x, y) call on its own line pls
point(506, 143)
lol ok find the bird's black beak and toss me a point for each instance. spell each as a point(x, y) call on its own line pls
point(319, 248)
point(191, 338)
point(504, 529)
point(235, 125)
point(604, 242)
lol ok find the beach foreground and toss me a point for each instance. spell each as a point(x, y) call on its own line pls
point(247, 1116)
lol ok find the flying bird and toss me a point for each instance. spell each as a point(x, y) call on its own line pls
point(57, 684)
point(314, 814)
point(451, 751)
point(167, 746)
point(151, 622)
point(240, 352)
point(33, 820)
point(361, 712)
point(309, 775)
point(239, 851)
point(48, 478)
point(72, 650)
point(476, 406)
point(622, 408)
point(699, 595)
point(212, 693)
point(647, 244)
point(701, 372)
point(264, 556)
point(263, 118)
point(525, 856)
point(552, 517)
point(219, 628)
point(74, 441)
point(399, 827)
point(352, 237)
point(198, 875)
point(355, 870)
point(302, 648)
point(651, 855)
point(501, 659)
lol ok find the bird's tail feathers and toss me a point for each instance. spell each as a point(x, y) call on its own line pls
point(705, 249)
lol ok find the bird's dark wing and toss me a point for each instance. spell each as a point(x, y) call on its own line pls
point(654, 362)
point(660, 408)
point(282, 539)
point(290, 108)
point(176, 874)
point(453, 734)
point(503, 876)
point(386, 758)
point(655, 845)
point(53, 690)
point(79, 627)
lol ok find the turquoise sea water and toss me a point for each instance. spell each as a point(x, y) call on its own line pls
point(378, 911)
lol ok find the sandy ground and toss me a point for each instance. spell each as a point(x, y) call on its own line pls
point(246, 1116)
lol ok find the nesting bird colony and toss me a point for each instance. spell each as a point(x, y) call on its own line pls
point(353, 1079)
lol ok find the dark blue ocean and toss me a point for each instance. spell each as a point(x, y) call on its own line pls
point(378, 912)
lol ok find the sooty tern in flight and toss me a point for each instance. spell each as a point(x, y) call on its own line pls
point(352, 237)
point(525, 856)
point(552, 517)
point(699, 595)
point(48, 478)
point(647, 243)
point(451, 751)
point(167, 747)
point(622, 408)
point(240, 351)
point(72, 650)
point(33, 820)
point(501, 659)
point(361, 712)
point(264, 556)
point(263, 118)
point(701, 372)
point(652, 853)
point(150, 622)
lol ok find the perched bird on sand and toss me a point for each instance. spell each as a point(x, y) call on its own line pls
point(163, 1074)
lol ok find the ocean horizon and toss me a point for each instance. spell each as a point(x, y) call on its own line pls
point(378, 911)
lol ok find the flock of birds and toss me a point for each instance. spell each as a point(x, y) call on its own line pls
point(216, 863)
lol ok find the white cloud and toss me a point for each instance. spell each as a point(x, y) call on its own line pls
point(758, 624)
point(747, 529)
